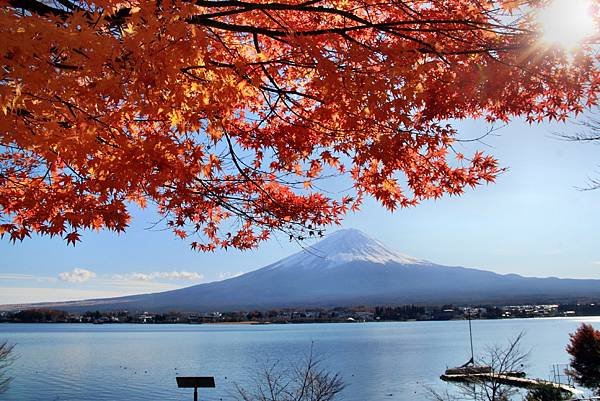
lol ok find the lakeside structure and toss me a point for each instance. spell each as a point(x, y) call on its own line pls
point(314, 315)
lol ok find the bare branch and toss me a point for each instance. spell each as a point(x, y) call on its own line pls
point(303, 382)
point(7, 357)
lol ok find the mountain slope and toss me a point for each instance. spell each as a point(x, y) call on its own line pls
point(349, 268)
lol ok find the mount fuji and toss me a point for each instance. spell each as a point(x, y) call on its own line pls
point(344, 269)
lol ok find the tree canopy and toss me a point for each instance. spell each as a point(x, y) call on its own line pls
point(226, 113)
point(584, 349)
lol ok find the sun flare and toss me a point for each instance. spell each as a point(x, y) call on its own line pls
point(567, 23)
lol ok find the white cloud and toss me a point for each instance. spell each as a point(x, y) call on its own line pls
point(16, 276)
point(226, 275)
point(81, 284)
point(153, 276)
point(22, 295)
point(77, 275)
point(596, 262)
point(27, 277)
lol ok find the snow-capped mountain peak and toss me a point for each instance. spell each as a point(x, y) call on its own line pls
point(347, 268)
point(344, 246)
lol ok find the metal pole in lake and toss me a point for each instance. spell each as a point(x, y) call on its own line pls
point(471, 337)
point(472, 355)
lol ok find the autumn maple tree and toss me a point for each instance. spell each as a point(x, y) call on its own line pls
point(225, 113)
point(584, 349)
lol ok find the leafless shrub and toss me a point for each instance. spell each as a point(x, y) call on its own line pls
point(306, 381)
point(6, 359)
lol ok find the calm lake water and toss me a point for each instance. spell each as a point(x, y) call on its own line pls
point(378, 361)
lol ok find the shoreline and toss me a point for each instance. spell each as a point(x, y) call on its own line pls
point(254, 323)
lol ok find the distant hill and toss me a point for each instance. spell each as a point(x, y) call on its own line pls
point(348, 268)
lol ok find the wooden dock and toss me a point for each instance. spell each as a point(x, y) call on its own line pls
point(509, 380)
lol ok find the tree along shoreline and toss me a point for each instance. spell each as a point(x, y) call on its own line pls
point(309, 315)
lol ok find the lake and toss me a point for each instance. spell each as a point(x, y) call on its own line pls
point(378, 361)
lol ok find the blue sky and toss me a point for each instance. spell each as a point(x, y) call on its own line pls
point(532, 221)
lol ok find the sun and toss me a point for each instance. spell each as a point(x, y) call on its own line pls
point(567, 23)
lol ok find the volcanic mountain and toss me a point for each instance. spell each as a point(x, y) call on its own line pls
point(344, 269)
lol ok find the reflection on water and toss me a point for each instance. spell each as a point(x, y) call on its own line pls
point(378, 361)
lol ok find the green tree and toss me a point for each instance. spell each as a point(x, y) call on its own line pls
point(585, 357)
point(545, 392)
